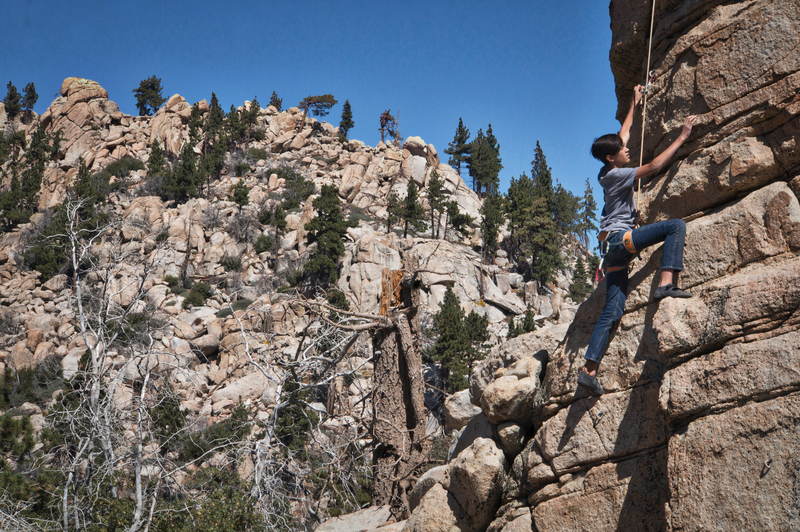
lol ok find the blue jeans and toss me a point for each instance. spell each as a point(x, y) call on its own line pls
point(673, 234)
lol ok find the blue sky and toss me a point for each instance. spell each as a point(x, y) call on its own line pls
point(535, 70)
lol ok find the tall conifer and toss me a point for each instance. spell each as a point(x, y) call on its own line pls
point(436, 201)
point(346, 124)
point(12, 101)
point(327, 230)
point(458, 149)
point(412, 214)
point(587, 216)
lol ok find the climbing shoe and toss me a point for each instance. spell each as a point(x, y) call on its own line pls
point(669, 290)
point(590, 384)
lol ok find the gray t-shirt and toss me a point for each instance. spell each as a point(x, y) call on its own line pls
point(620, 208)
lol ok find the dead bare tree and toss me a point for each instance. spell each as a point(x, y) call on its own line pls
point(398, 404)
point(106, 415)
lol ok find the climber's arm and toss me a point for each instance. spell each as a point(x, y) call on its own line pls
point(625, 131)
point(663, 158)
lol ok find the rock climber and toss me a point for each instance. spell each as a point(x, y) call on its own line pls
point(622, 241)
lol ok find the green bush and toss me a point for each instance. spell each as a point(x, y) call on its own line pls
point(123, 167)
point(31, 385)
point(295, 277)
point(241, 169)
point(241, 304)
point(264, 243)
point(298, 189)
point(240, 194)
point(231, 264)
point(162, 236)
point(358, 215)
point(196, 297)
point(233, 429)
point(257, 154)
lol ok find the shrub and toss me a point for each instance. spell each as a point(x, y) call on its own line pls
point(298, 189)
point(357, 214)
point(244, 227)
point(233, 429)
point(257, 154)
point(241, 169)
point(295, 277)
point(121, 168)
point(337, 299)
point(264, 243)
point(162, 236)
point(197, 295)
point(240, 194)
point(236, 306)
point(231, 264)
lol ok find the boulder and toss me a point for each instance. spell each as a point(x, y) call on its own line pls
point(509, 399)
point(476, 481)
point(458, 410)
point(252, 386)
point(362, 520)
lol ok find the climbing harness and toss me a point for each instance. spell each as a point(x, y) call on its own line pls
point(605, 247)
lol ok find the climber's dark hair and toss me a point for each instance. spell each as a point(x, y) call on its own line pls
point(606, 145)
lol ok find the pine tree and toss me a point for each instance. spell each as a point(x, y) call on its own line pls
point(580, 286)
point(542, 178)
point(250, 118)
point(455, 346)
point(184, 179)
point(458, 150)
point(235, 128)
point(148, 96)
point(484, 162)
point(346, 124)
point(436, 201)
point(519, 200)
point(542, 240)
point(29, 99)
point(318, 105)
point(528, 324)
point(475, 161)
point(456, 219)
point(491, 220)
point(388, 125)
point(587, 217)
point(215, 143)
point(155, 162)
point(412, 214)
point(566, 207)
point(327, 229)
point(276, 102)
point(12, 102)
point(240, 194)
point(594, 264)
point(393, 210)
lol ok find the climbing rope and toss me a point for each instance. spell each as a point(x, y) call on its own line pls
point(650, 76)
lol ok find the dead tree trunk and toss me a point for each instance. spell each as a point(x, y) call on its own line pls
point(398, 404)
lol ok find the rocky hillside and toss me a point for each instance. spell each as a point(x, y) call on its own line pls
point(698, 428)
point(231, 341)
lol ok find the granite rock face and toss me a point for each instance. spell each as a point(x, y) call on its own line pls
point(702, 391)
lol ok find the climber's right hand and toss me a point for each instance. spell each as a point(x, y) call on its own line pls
point(687, 126)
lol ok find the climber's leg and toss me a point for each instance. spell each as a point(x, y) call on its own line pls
point(616, 294)
point(673, 234)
